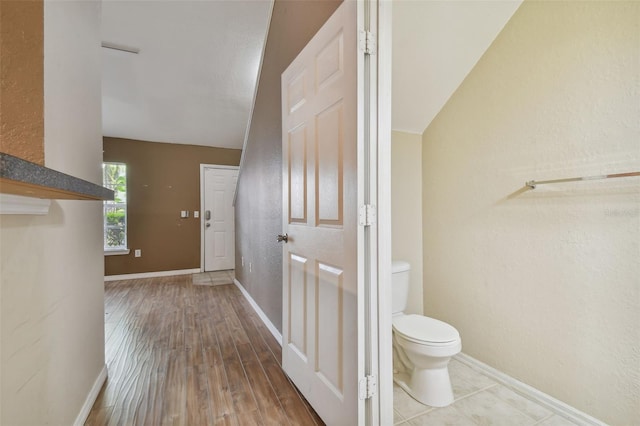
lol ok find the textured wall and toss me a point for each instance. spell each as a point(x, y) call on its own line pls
point(22, 79)
point(544, 284)
point(435, 45)
point(259, 198)
point(406, 210)
point(162, 180)
point(52, 306)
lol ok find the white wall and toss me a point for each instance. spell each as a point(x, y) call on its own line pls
point(545, 284)
point(52, 305)
point(406, 210)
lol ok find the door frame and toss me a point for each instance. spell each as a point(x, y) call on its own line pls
point(202, 169)
point(377, 190)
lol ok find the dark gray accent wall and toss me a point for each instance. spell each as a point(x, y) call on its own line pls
point(259, 199)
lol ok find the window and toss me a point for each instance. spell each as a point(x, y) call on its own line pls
point(114, 177)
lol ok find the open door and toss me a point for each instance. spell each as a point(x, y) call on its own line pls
point(325, 327)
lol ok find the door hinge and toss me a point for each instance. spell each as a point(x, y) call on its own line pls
point(367, 387)
point(368, 42)
point(367, 215)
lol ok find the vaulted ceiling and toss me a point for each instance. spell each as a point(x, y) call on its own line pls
point(436, 43)
point(194, 77)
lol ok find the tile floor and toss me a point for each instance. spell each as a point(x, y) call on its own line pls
point(479, 400)
point(214, 278)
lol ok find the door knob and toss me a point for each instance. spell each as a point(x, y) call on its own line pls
point(283, 237)
point(207, 224)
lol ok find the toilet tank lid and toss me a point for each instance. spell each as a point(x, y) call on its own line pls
point(400, 266)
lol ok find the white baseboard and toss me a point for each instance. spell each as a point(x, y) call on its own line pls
point(91, 397)
point(555, 405)
point(151, 274)
point(272, 328)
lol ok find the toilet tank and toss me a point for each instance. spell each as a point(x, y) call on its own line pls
point(399, 285)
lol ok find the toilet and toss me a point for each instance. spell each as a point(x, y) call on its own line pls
point(422, 347)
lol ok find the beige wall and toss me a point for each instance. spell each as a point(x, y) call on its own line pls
point(544, 285)
point(406, 210)
point(51, 286)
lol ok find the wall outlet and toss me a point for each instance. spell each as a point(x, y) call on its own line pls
point(138, 253)
point(196, 214)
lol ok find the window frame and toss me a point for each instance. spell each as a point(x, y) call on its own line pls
point(111, 204)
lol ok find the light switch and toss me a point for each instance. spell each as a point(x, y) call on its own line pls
point(184, 213)
point(196, 214)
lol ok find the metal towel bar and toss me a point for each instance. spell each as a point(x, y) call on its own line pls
point(532, 183)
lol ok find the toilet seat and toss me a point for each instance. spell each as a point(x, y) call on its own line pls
point(425, 330)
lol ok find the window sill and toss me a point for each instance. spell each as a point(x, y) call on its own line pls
point(116, 252)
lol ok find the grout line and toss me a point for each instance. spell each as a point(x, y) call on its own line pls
point(545, 419)
point(475, 392)
point(430, 409)
point(506, 401)
point(561, 409)
point(402, 419)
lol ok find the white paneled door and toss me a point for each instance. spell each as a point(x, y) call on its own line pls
point(219, 185)
point(320, 200)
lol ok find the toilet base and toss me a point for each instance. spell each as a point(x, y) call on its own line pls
point(429, 386)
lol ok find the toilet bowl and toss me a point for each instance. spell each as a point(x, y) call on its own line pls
point(422, 347)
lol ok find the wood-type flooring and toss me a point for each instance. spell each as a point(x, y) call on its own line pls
point(185, 354)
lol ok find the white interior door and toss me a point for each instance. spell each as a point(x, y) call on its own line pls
point(320, 183)
point(219, 185)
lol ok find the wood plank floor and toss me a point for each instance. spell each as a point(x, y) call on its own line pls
point(185, 354)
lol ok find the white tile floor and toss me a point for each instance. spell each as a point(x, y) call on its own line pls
point(214, 278)
point(479, 400)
